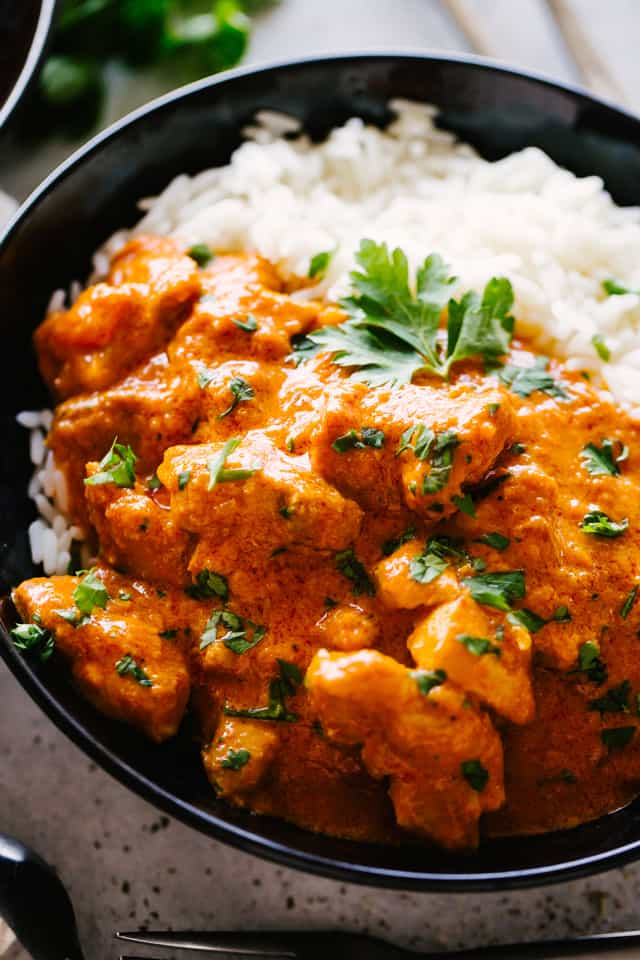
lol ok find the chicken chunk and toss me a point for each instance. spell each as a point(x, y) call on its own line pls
point(239, 755)
point(119, 659)
point(443, 757)
point(482, 652)
point(349, 627)
point(412, 446)
point(399, 587)
point(261, 496)
point(112, 328)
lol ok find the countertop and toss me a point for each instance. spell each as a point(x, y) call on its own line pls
point(126, 865)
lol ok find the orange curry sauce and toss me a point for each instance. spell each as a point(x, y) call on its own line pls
point(276, 591)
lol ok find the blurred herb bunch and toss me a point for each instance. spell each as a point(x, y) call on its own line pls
point(186, 39)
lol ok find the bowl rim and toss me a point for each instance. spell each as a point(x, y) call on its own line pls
point(34, 58)
point(207, 821)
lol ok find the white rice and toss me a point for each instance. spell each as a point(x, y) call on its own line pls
point(556, 237)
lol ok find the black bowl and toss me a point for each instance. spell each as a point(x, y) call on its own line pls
point(50, 242)
point(24, 31)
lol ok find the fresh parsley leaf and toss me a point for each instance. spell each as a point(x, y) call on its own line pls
point(319, 264)
point(488, 486)
point(168, 634)
point(72, 616)
point(250, 325)
point(475, 774)
point(615, 738)
point(602, 460)
point(235, 759)
point(117, 466)
point(351, 568)
point(590, 662)
point(218, 473)
point(153, 483)
point(615, 700)
point(528, 619)
point(523, 381)
point(616, 289)
point(497, 590)
point(625, 609)
point(427, 567)
point(478, 646)
point(517, 449)
point(283, 686)
point(208, 584)
point(201, 253)
point(465, 504)
point(127, 666)
point(241, 635)
point(369, 437)
point(392, 332)
point(440, 458)
point(90, 592)
point(600, 347)
point(241, 390)
point(33, 638)
point(598, 524)
point(205, 375)
point(183, 479)
point(390, 546)
point(496, 540)
point(427, 680)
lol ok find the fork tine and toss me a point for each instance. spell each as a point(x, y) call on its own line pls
point(270, 944)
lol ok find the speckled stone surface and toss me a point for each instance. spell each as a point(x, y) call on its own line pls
point(125, 865)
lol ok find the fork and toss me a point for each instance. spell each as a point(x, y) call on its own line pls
point(299, 945)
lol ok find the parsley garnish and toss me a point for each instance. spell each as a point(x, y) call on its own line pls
point(319, 264)
point(369, 437)
point(437, 449)
point(479, 646)
point(127, 665)
point(497, 590)
point(625, 609)
point(208, 584)
point(201, 253)
point(241, 391)
point(465, 504)
point(598, 524)
point(153, 483)
point(392, 333)
point(601, 460)
point(250, 325)
point(90, 592)
point(390, 546)
point(590, 663)
point(600, 347)
point(475, 774)
point(523, 381)
point(117, 466)
point(351, 568)
point(218, 473)
point(183, 479)
point(534, 622)
point(283, 686)
point(495, 540)
point(426, 680)
point(236, 637)
point(235, 759)
point(428, 565)
point(168, 634)
point(615, 738)
point(616, 289)
point(33, 638)
point(205, 375)
point(615, 700)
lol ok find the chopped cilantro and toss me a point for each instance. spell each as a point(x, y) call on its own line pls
point(616, 289)
point(168, 634)
point(205, 375)
point(153, 483)
point(201, 253)
point(183, 479)
point(601, 460)
point(283, 686)
point(528, 619)
point(250, 325)
point(72, 616)
point(392, 332)
point(590, 662)
point(615, 700)
point(241, 635)
point(615, 738)
point(241, 390)
point(598, 524)
point(523, 381)
point(496, 540)
point(475, 774)
point(90, 592)
point(33, 638)
point(492, 409)
point(235, 759)
point(117, 466)
point(479, 646)
point(286, 512)
point(218, 473)
point(369, 437)
point(497, 590)
point(600, 347)
point(517, 449)
point(208, 584)
point(390, 546)
point(465, 504)
point(319, 264)
point(351, 568)
point(625, 609)
point(426, 680)
point(128, 666)
point(428, 565)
